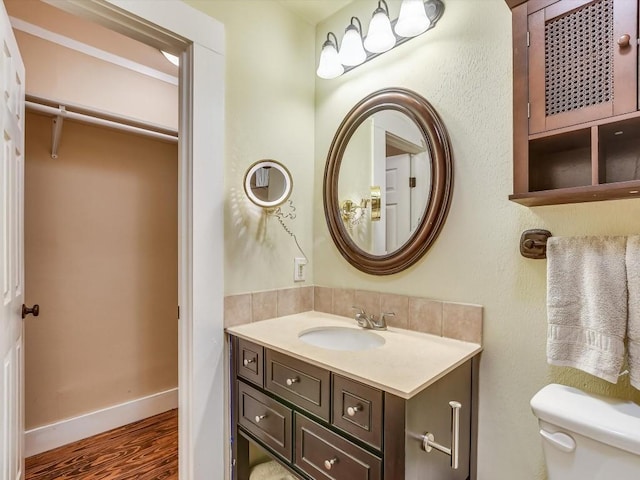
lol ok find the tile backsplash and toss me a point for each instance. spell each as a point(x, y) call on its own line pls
point(453, 320)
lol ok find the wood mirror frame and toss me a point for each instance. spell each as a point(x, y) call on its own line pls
point(428, 122)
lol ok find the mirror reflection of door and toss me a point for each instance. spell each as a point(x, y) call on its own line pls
point(268, 184)
point(398, 201)
point(402, 169)
point(387, 150)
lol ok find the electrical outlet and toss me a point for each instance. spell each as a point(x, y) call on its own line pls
point(298, 269)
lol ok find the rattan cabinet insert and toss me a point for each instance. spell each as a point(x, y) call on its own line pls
point(576, 119)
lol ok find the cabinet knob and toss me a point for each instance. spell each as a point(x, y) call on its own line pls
point(258, 418)
point(351, 411)
point(248, 361)
point(624, 40)
point(291, 381)
point(328, 464)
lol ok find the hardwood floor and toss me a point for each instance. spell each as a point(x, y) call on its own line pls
point(144, 450)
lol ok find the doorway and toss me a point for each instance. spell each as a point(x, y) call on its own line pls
point(198, 39)
point(101, 228)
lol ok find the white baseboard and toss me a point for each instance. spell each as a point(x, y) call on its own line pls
point(57, 434)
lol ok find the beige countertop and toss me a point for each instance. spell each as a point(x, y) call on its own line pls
point(405, 364)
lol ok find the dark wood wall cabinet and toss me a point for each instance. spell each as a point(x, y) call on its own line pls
point(576, 129)
point(321, 425)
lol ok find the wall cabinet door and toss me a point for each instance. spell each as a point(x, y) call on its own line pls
point(583, 62)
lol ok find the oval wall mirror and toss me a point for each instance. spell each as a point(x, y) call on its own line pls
point(268, 183)
point(388, 181)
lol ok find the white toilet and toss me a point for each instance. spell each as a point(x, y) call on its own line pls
point(587, 436)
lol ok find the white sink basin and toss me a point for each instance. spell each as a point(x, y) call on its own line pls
point(341, 338)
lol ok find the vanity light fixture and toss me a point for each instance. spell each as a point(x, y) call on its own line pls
point(171, 57)
point(380, 37)
point(413, 19)
point(329, 65)
point(416, 17)
point(352, 52)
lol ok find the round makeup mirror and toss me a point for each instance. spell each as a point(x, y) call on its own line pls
point(388, 181)
point(268, 183)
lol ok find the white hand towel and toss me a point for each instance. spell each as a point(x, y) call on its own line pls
point(271, 470)
point(587, 304)
point(633, 324)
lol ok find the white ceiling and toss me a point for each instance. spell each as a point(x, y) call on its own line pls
point(314, 11)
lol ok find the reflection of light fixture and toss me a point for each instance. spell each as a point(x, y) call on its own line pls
point(329, 66)
point(172, 58)
point(416, 17)
point(380, 37)
point(351, 50)
point(353, 213)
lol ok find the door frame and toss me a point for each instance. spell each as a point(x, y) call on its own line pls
point(199, 41)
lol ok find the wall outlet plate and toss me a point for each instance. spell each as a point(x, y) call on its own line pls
point(299, 274)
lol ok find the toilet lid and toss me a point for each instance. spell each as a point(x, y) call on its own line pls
point(611, 421)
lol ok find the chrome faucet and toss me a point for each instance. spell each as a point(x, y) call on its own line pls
point(367, 321)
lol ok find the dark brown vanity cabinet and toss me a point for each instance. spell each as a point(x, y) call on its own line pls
point(322, 425)
point(576, 118)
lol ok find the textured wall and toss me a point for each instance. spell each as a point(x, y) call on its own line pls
point(101, 255)
point(269, 115)
point(463, 67)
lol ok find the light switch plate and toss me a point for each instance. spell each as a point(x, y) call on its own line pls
point(299, 274)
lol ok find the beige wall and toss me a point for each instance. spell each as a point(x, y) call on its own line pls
point(269, 114)
point(101, 261)
point(463, 68)
point(68, 76)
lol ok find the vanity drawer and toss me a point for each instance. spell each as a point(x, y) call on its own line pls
point(250, 362)
point(357, 409)
point(304, 385)
point(266, 419)
point(322, 454)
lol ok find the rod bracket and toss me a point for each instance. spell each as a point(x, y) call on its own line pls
point(57, 132)
point(533, 243)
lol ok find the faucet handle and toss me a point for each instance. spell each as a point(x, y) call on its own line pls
point(384, 315)
point(360, 310)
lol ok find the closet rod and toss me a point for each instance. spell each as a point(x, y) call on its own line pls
point(81, 117)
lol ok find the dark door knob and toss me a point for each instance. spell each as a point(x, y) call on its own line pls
point(35, 310)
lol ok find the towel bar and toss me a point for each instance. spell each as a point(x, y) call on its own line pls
point(533, 243)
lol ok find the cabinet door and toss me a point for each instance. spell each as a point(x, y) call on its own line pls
point(583, 62)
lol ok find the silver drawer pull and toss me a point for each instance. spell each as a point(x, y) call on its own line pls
point(248, 361)
point(328, 464)
point(258, 418)
point(351, 411)
point(428, 440)
point(291, 381)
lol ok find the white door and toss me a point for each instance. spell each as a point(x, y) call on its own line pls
point(398, 201)
point(11, 255)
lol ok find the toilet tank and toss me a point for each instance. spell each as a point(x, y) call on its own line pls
point(587, 436)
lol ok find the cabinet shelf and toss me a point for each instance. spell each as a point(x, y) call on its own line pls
point(587, 193)
point(576, 123)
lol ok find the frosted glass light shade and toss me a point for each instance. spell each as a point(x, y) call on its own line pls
point(329, 65)
point(413, 19)
point(172, 58)
point(351, 50)
point(380, 37)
